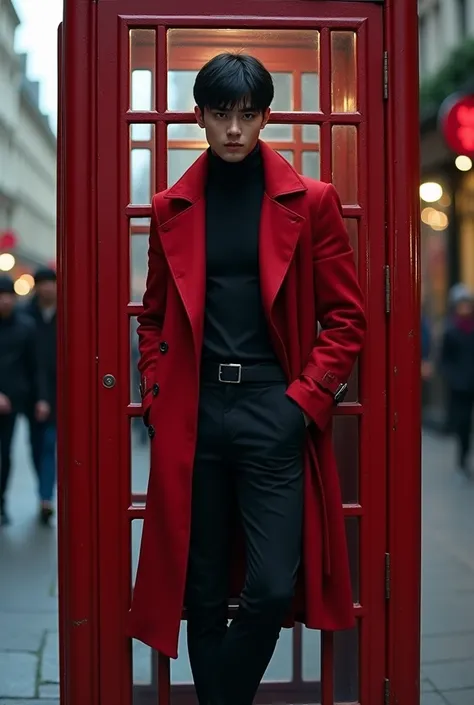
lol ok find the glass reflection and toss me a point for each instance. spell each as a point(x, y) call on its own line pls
point(345, 437)
point(343, 72)
point(142, 69)
point(311, 162)
point(346, 666)
point(344, 163)
point(179, 160)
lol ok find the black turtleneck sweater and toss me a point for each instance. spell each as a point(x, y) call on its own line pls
point(235, 327)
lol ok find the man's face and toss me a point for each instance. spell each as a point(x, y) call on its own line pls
point(7, 304)
point(46, 292)
point(232, 134)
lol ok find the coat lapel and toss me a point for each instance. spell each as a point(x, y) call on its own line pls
point(280, 226)
point(183, 237)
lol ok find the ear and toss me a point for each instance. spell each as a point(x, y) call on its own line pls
point(199, 116)
point(266, 116)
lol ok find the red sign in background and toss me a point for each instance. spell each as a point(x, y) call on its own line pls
point(457, 123)
point(8, 240)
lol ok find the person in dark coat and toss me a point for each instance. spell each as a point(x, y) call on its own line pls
point(42, 310)
point(22, 380)
point(457, 368)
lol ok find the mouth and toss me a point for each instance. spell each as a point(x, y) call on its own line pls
point(233, 145)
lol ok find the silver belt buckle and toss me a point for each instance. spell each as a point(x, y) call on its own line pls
point(230, 381)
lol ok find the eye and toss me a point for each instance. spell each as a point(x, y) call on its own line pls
point(220, 116)
point(249, 116)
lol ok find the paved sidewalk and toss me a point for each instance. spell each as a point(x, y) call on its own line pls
point(28, 602)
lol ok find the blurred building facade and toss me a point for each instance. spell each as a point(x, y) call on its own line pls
point(27, 164)
point(446, 51)
point(446, 68)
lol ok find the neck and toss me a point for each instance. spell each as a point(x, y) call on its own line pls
point(222, 170)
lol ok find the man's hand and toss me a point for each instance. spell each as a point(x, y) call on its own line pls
point(5, 404)
point(42, 411)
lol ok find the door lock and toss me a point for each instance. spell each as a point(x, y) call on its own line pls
point(108, 381)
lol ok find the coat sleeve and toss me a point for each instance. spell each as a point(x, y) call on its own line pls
point(339, 311)
point(150, 321)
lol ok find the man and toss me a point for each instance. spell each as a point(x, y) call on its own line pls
point(21, 378)
point(42, 310)
point(246, 257)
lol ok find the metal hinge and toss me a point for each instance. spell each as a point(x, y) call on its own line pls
point(388, 289)
point(388, 577)
point(385, 75)
point(386, 694)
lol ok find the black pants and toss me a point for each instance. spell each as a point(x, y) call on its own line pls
point(249, 456)
point(7, 427)
point(460, 421)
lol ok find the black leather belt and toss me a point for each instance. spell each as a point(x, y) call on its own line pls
point(234, 373)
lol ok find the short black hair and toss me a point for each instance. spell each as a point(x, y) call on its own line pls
point(229, 79)
point(45, 274)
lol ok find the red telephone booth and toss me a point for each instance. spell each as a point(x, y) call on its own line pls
point(345, 111)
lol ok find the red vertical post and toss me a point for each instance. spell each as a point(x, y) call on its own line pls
point(77, 322)
point(404, 441)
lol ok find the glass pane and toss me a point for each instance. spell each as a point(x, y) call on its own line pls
point(142, 173)
point(180, 667)
point(343, 72)
point(311, 665)
point(346, 666)
point(344, 162)
point(142, 663)
point(140, 462)
point(346, 444)
point(352, 535)
point(287, 154)
point(136, 537)
point(179, 160)
point(311, 163)
point(142, 69)
point(283, 102)
point(141, 132)
point(311, 133)
point(310, 92)
point(280, 668)
point(180, 99)
point(138, 266)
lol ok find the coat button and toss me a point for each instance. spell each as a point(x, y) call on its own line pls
point(156, 390)
point(151, 431)
point(164, 347)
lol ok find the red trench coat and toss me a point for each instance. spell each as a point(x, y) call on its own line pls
point(308, 275)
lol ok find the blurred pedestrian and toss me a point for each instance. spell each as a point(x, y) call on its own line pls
point(21, 379)
point(457, 367)
point(426, 361)
point(42, 310)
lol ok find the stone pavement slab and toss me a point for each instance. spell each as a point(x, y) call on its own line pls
point(460, 697)
point(432, 699)
point(18, 672)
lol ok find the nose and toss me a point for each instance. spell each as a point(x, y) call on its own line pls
point(234, 127)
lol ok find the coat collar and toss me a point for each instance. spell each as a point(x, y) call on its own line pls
point(280, 177)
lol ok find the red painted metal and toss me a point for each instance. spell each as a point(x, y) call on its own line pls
point(404, 441)
point(96, 507)
point(77, 348)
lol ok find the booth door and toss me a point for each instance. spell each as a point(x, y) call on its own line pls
point(327, 63)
